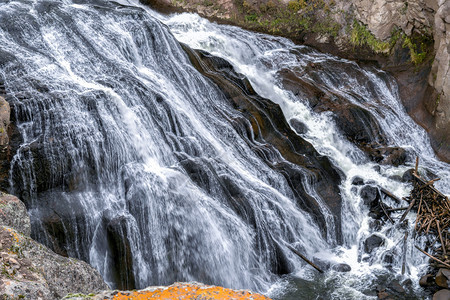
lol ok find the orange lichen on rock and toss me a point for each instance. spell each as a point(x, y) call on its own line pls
point(188, 291)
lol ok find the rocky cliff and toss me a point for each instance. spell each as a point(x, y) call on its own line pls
point(410, 39)
point(30, 270)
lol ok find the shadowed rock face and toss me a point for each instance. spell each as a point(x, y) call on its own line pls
point(265, 129)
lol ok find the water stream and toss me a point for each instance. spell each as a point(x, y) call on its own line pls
point(129, 157)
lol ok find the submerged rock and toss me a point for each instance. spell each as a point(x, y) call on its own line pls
point(175, 291)
point(341, 268)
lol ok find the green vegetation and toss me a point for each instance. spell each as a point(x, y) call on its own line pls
point(296, 17)
point(418, 47)
point(317, 16)
point(361, 36)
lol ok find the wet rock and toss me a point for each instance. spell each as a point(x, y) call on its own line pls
point(5, 112)
point(263, 121)
point(387, 155)
point(357, 181)
point(13, 213)
point(370, 195)
point(426, 280)
point(372, 242)
point(36, 272)
point(442, 278)
point(322, 264)
point(119, 243)
point(396, 287)
point(442, 295)
point(396, 178)
point(408, 175)
point(388, 259)
point(341, 268)
point(375, 224)
point(382, 294)
point(298, 126)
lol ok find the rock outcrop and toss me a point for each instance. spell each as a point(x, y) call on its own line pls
point(30, 270)
point(409, 38)
point(175, 291)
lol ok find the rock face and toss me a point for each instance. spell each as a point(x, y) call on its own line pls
point(5, 112)
point(269, 126)
point(175, 291)
point(31, 270)
point(440, 74)
point(14, 214)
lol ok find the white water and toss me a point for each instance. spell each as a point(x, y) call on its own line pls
point(109, 98)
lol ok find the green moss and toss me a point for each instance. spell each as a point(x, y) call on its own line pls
point(251, 18)
point(361, 36)
point(418, 48)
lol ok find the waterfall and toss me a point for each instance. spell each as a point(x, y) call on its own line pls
point(129, 158)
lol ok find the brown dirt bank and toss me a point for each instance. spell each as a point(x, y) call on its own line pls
point(407, 39)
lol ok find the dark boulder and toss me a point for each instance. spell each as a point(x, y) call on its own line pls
point(442, 278)
point(341, 268)
point(357, 181)
point(370, 195)
point(397, 287)
point(119, 243)
point(396, 178)
point(426, 280)
point(408, 175)
point(372, 242)
point(386, 155)
point(298, 126)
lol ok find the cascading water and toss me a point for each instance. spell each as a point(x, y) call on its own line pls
point(132, 160)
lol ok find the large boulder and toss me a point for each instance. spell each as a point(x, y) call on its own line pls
point(32, 271)
point(442, 295)
point(442, 278)
point(14, 214)
point(370, 195)
point(372, 242)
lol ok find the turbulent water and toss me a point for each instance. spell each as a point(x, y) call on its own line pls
point(129, 158)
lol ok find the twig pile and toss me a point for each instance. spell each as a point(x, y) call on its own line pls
point(433, 217)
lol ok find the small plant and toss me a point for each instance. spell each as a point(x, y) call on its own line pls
point(361, 36)
point(417, 49)
point(294, 5)
point(251, 18)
